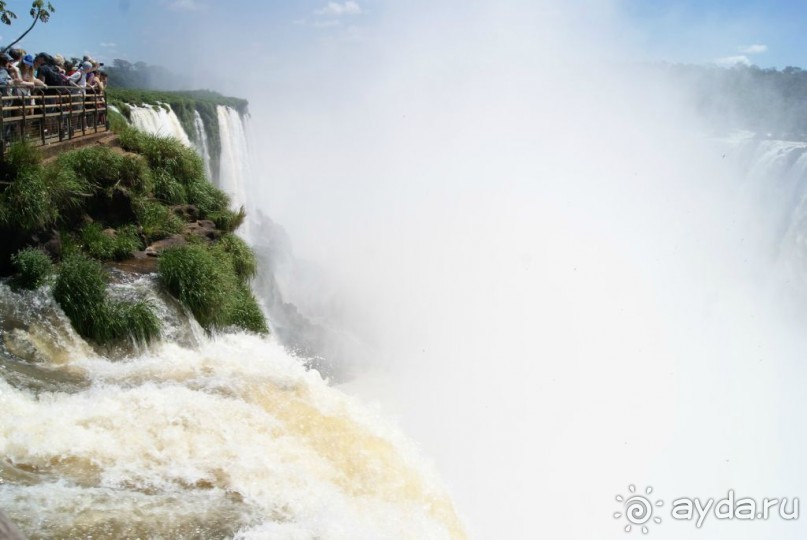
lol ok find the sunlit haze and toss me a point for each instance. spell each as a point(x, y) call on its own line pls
point(538, 257)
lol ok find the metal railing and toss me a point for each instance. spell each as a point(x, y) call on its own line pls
point(51, 114)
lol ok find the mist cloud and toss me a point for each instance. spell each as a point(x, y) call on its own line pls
point(733, 60)
point(551, 264)
point(753, 49)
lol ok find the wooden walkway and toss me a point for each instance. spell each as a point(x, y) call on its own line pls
point(52, 117)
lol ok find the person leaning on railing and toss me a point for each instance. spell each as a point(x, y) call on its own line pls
point(27, 71)
point(9, 78)
point(46, 70)
point(17, 55)
point(79, 78)
point(10, 84)
point(54, 103)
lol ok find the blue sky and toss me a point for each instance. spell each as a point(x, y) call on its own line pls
point(766, 33)
point(253, 34)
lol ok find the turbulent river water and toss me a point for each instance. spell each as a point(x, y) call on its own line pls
point(195, 438)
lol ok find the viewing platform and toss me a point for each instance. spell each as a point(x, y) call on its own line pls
point(55, 118)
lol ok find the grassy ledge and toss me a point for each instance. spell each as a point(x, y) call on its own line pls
point(80, 289)
point(98, 204)
point(212, 282)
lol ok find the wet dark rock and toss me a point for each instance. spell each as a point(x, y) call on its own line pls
point(53, 246)
point(203, 228)
point(187, 212)
point(160, 245)
point(139, 263)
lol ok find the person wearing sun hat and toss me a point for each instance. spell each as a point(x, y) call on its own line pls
point(59, 61)
point(27, 71)
point(8, 76)
point(79, 78)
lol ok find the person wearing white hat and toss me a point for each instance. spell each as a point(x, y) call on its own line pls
point(79, 78)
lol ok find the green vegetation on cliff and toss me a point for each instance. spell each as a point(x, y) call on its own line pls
point(101, 203)
point(210, 281)
point(33, 266)
point(183, 104)
point(80, 289)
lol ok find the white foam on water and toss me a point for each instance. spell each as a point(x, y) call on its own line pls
point(235, 438)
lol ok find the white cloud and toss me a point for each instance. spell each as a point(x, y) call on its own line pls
point(733, 60)
point(327, 24)
point(184, 5)
point(108, 45)
point(335, 9)
point(756, 48)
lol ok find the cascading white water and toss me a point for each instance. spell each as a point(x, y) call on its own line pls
point(234, 169)
point(201, 141)
point(774, 176)
point(234, 166)
point(230, 437)
point(158, 120)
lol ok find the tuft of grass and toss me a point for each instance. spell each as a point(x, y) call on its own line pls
point(68, 191)
point(104, 246)
point(241, 256)
point(157, 221)
point(243, 311)
point(133, 320)
point(80, 290)
point(37, 196)
point(33, 266)
point(228, 220)
point(193, 275)
point(27, 201)
point(205, 280)
point(19, 156)
point(169, 190)
point(102, 167)
point(207, 198)
point(165, 154)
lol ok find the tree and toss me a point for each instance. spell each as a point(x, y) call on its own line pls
point(40, 11)
point(122, 64)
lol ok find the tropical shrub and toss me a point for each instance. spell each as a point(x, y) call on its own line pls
point(80, 289)
point(33, 265)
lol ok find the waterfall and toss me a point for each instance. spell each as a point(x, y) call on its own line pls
point(234, 166)
point(223, 436)
point(158, 120)
point(196, 437)
point(233, 170)
point(201, 141)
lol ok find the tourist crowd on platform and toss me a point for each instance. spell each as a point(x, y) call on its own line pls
point(20, 72)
